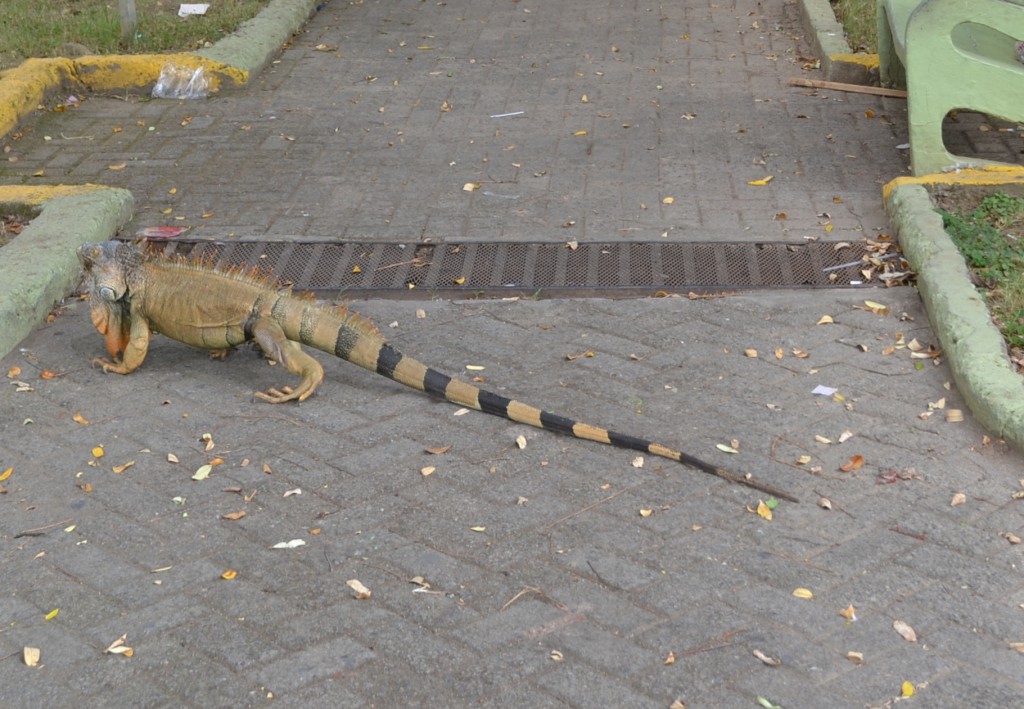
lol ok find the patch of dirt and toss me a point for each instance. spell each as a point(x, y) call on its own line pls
point(966, 198)
point(960, 199)
point(11, 225)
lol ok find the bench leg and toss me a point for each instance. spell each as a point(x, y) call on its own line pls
point(890, 68)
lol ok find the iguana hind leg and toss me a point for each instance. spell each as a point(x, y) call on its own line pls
point(272, 340)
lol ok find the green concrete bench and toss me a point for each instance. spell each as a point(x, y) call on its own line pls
point(951, 54)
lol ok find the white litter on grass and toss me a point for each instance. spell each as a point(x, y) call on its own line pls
point(193, 8)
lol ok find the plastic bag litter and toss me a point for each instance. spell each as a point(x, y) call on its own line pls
point(181, 82)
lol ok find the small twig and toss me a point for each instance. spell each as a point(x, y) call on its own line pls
point(851, 88)
point(601, 579)
point(721, 641)
point(39, 531)
point(531, 589)
point(569, 516)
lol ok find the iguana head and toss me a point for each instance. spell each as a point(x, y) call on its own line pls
point(111, 269)
point(108, 267)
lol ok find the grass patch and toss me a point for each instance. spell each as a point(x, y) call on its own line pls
point(44, 28)
point(858, 20)
point(991, 238)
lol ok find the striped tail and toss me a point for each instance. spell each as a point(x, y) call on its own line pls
point(405, 370)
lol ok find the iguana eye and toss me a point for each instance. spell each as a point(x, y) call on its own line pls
point(107, 293)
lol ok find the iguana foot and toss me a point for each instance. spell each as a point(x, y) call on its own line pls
point(222, 353)
point(109, 366)
point(279, 396)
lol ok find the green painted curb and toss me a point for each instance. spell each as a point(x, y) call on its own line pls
point(252, 46)
point(39, 267)
point(973, 346)
point(828, 40)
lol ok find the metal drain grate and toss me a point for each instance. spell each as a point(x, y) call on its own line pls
point(503, 269)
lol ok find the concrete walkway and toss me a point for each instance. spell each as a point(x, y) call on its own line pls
point(559, 574)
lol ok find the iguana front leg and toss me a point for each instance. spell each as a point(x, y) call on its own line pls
point(134, 352)
point(272, 340)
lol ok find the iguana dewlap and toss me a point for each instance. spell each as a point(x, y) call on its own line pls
point(133, 297)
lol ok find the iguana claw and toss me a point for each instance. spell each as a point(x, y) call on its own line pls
point(279, 396)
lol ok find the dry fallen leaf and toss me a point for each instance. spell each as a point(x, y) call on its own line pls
point(670, 659)
point(208, 439)
point(770, 661)
point(1010, 537)
point(6, 474)
point(234, 515)
point(764, 511)
point(905, 631)
point(202, 472)
point(97, 452)
point(521, 441)
point(850, 613)
point(856, 658)
point(360, 591)
point(118, 647)
point(824, 503)
point(229, 575)
point(750, 352)
point(30, 655)
point(78, 418)
point(804, 593)
point(877, 308)
point(854, 463)
point(958, 499)
point(825, 320)
point(427, 470)
point(646, 512)
point(638, 462)
point(121, 468)
point(762, 182)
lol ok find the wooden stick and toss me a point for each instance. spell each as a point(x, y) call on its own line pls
point(852, 88)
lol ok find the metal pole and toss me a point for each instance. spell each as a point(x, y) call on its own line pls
point(128, 19)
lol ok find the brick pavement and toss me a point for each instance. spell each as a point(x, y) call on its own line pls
point(573, 597)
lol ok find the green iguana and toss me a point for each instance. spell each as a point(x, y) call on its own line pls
point(218, 309)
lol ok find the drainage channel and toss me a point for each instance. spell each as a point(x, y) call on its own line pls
point(611, 269)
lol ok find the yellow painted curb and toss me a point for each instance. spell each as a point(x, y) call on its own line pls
point(24, 87)
point(120, 71)
point(993, 175)
point(24, 194)
point(868, 61)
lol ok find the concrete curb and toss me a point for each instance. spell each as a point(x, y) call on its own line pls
point(230, 62)
point(39, 266)
point(838, 61)
point(972, 344)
